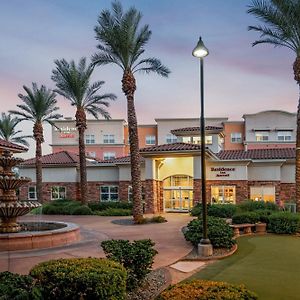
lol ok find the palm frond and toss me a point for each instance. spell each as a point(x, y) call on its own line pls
point(151, 65)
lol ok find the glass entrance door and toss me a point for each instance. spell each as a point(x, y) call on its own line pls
point(178, 199)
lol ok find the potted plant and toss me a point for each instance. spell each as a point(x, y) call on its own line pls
point(260, 228)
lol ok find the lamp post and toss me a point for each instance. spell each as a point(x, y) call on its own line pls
point(205, 247)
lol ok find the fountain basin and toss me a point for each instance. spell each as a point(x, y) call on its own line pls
point(39, 235)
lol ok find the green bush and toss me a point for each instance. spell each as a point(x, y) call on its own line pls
point(96, 206)
point(215, 210)
point(113, 212)
point(158, 219)
point(206, 290)
point(18, 287)
point(264, 215)
point(284, 222)
point(250, 205)
point(250, 217)
point(82, 210)
point(81, 278)
point(60, 207)
point(137, 257)
point(219, 232)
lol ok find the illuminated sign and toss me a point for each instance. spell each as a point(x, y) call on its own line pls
point(222, 171)
point(66, 132)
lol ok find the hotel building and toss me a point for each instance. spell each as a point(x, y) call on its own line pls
point(249, 159)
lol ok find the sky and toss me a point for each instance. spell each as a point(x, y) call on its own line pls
point(238, 78)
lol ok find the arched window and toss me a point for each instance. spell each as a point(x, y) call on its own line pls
point(178, 180)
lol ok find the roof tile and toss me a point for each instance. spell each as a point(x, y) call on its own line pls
point(12, 146)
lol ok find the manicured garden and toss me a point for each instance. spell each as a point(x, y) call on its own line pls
point(268, 265)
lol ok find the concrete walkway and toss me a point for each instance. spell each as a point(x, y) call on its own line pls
point(169, 240)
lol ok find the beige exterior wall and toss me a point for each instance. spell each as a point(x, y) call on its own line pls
point(226, 171)
point(264, 171)
point(125, 172)
point(103, 174)
point(288, 173)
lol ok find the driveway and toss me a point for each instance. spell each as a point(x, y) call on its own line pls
point(168, 238)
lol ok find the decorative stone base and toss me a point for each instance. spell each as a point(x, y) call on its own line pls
point(205, 250)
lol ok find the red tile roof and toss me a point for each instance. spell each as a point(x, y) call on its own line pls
point(11, 146)
point(171, 147)
point(58, 158)
point(195, 129)
point(274, 153)
point(119, 160)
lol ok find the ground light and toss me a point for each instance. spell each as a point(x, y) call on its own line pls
point(204, 247)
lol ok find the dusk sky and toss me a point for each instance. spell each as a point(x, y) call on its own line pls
point(239, 78)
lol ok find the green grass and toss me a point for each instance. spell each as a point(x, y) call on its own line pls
point(267, 265)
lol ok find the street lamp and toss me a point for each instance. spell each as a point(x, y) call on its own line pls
point(205, 247)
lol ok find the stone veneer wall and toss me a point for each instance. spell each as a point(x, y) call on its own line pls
point(153, 196)
point(277, 185)
point(287, 191)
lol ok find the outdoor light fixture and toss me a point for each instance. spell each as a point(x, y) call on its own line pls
point(205, 247)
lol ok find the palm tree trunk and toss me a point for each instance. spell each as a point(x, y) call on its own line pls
point(297, 78)
point(39, 139)
point(129, 87)
point(81, 125)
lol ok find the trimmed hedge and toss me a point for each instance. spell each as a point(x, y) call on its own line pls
point(215, 210)
point(137, 257)
point(250, 205)
point(114, 212)
point(81, 278)
point(82, 210)
point(18, 287)
point(206, 290)
point(96, 206)
point(219, 232)
point(284, 223)
point(246, 217)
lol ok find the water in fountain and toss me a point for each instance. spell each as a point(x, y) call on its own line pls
point(10, 207)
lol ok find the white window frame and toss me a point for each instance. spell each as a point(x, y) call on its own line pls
point(109, 155)
point(236, 137)
point(90, 139)
point(262, 193)
point(262, 136)
point(285, 134)
point(108, 139)
point(222, 187)
point(58, 192)
point(130, 194)
point(150, 139)
point(197, 140)
point(30, 192)
point(109, 193)
point(171, 138)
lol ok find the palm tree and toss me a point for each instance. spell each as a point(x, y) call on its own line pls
point(122, 42)
point(73, 83)
point(39, 106)
point(8, 130)
point(282, 29)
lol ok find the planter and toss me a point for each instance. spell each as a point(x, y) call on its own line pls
point(261, 228)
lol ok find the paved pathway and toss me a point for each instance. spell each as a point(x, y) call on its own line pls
point(169, 240)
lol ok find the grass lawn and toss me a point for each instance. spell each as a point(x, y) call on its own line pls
point(267, 265)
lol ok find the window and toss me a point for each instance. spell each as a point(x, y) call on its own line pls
point(130, 194)
point(262, 193)
point(32, 193)
point(90, 139)
point(91, 154)
point(208, 140)
point(186, 139)
point(236, 137)
point(150, 139)
point(109, 193)
point(109, 155)
point(197, 140)
point(284, 135)
point(58, 193)
point(223, 194)
point(262, 136)
point(108, 139)
point(171, 138)
point(178, 180)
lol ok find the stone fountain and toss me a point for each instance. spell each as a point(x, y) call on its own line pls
point(10, 207)
point(26, 235)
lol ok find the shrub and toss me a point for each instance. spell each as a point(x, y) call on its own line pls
point(246, 217)
point(96, 206)
point(81, 278)
point(264, 215)
point(114, 212)
point(284, 222)
point(158, 219)
point(206, 290)
point(15, 286)
point(219, 232)
point(137, 257)
point(60, 207)
point(215, 210)
point(82, 210)
point(250, 205)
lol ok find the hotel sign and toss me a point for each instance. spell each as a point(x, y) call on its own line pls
point(66, 132)
point(222, 171)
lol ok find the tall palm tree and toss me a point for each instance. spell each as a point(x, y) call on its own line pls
point(73, 83)
point(122, 42)
point(8, 130)
point(39, 106)
point(281, 28)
